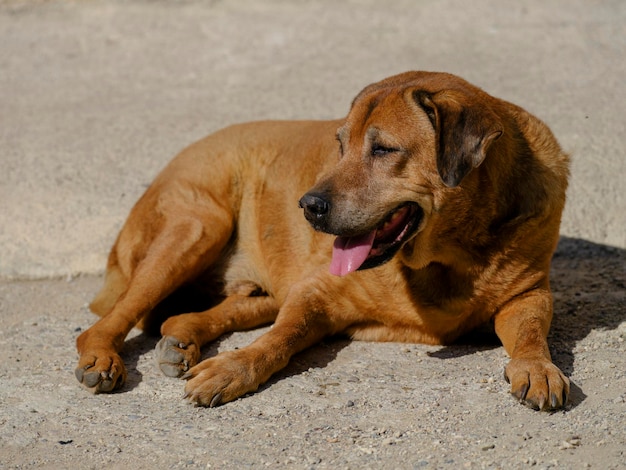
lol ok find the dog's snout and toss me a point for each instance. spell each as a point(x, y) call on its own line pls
point(315, 206)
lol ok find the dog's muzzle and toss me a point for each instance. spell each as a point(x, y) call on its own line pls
point(363, 249)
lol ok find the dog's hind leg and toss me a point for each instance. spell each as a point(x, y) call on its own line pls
point(163, 256)
point(115, 284)
point(184, 335)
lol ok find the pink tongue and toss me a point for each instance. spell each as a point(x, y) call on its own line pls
point(350, 253)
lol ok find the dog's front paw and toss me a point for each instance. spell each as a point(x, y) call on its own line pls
point(101, 372)
point(175, 357)
point(221, 379)
point(537, 383)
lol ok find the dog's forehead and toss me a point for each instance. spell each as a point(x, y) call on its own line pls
point(367, 101)
point(386, 107)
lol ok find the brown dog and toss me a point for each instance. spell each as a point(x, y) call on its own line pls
point(452, 197)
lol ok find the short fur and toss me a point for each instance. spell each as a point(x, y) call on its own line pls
point(485, 183)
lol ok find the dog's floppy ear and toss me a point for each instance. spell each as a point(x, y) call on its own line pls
point(463, 131)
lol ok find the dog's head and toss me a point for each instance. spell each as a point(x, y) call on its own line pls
point(406, 142)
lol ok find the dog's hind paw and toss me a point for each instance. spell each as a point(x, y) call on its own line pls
point(538, 384)
point(101, 373)
point(175, 357)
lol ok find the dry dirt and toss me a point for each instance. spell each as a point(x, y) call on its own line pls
point(339, 405)
point(96, 97)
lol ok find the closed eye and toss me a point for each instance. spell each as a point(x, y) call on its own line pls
point(381, 150)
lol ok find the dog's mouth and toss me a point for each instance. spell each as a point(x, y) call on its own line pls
point(375, 248)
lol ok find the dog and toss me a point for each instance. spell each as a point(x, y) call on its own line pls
point(431, 209)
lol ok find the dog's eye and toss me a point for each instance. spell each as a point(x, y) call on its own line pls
point(381, 150)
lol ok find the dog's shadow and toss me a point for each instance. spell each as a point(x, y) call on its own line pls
point(588, 282)
point(135, 348)
point(318, 356)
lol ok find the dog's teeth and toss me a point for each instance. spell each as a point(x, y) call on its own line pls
point(392, 218)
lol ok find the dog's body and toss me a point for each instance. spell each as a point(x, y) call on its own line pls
point(453, 196)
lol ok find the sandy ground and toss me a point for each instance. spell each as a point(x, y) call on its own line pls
point(95, 97)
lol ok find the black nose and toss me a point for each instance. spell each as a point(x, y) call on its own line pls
point(315, 207)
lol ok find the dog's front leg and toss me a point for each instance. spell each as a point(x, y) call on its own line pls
point(184, 335)
point(301, 322)
point(522, 325)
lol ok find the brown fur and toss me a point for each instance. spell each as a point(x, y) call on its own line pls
point(488, 179)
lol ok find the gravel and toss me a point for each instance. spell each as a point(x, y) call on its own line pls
point(340, 404)
point(96, 97)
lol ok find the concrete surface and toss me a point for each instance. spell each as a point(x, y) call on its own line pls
point(96, 97)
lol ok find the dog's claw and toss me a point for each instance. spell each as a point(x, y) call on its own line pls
point(542, 402)
point(521, 393)
point(554, 401)
point(216, 400)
